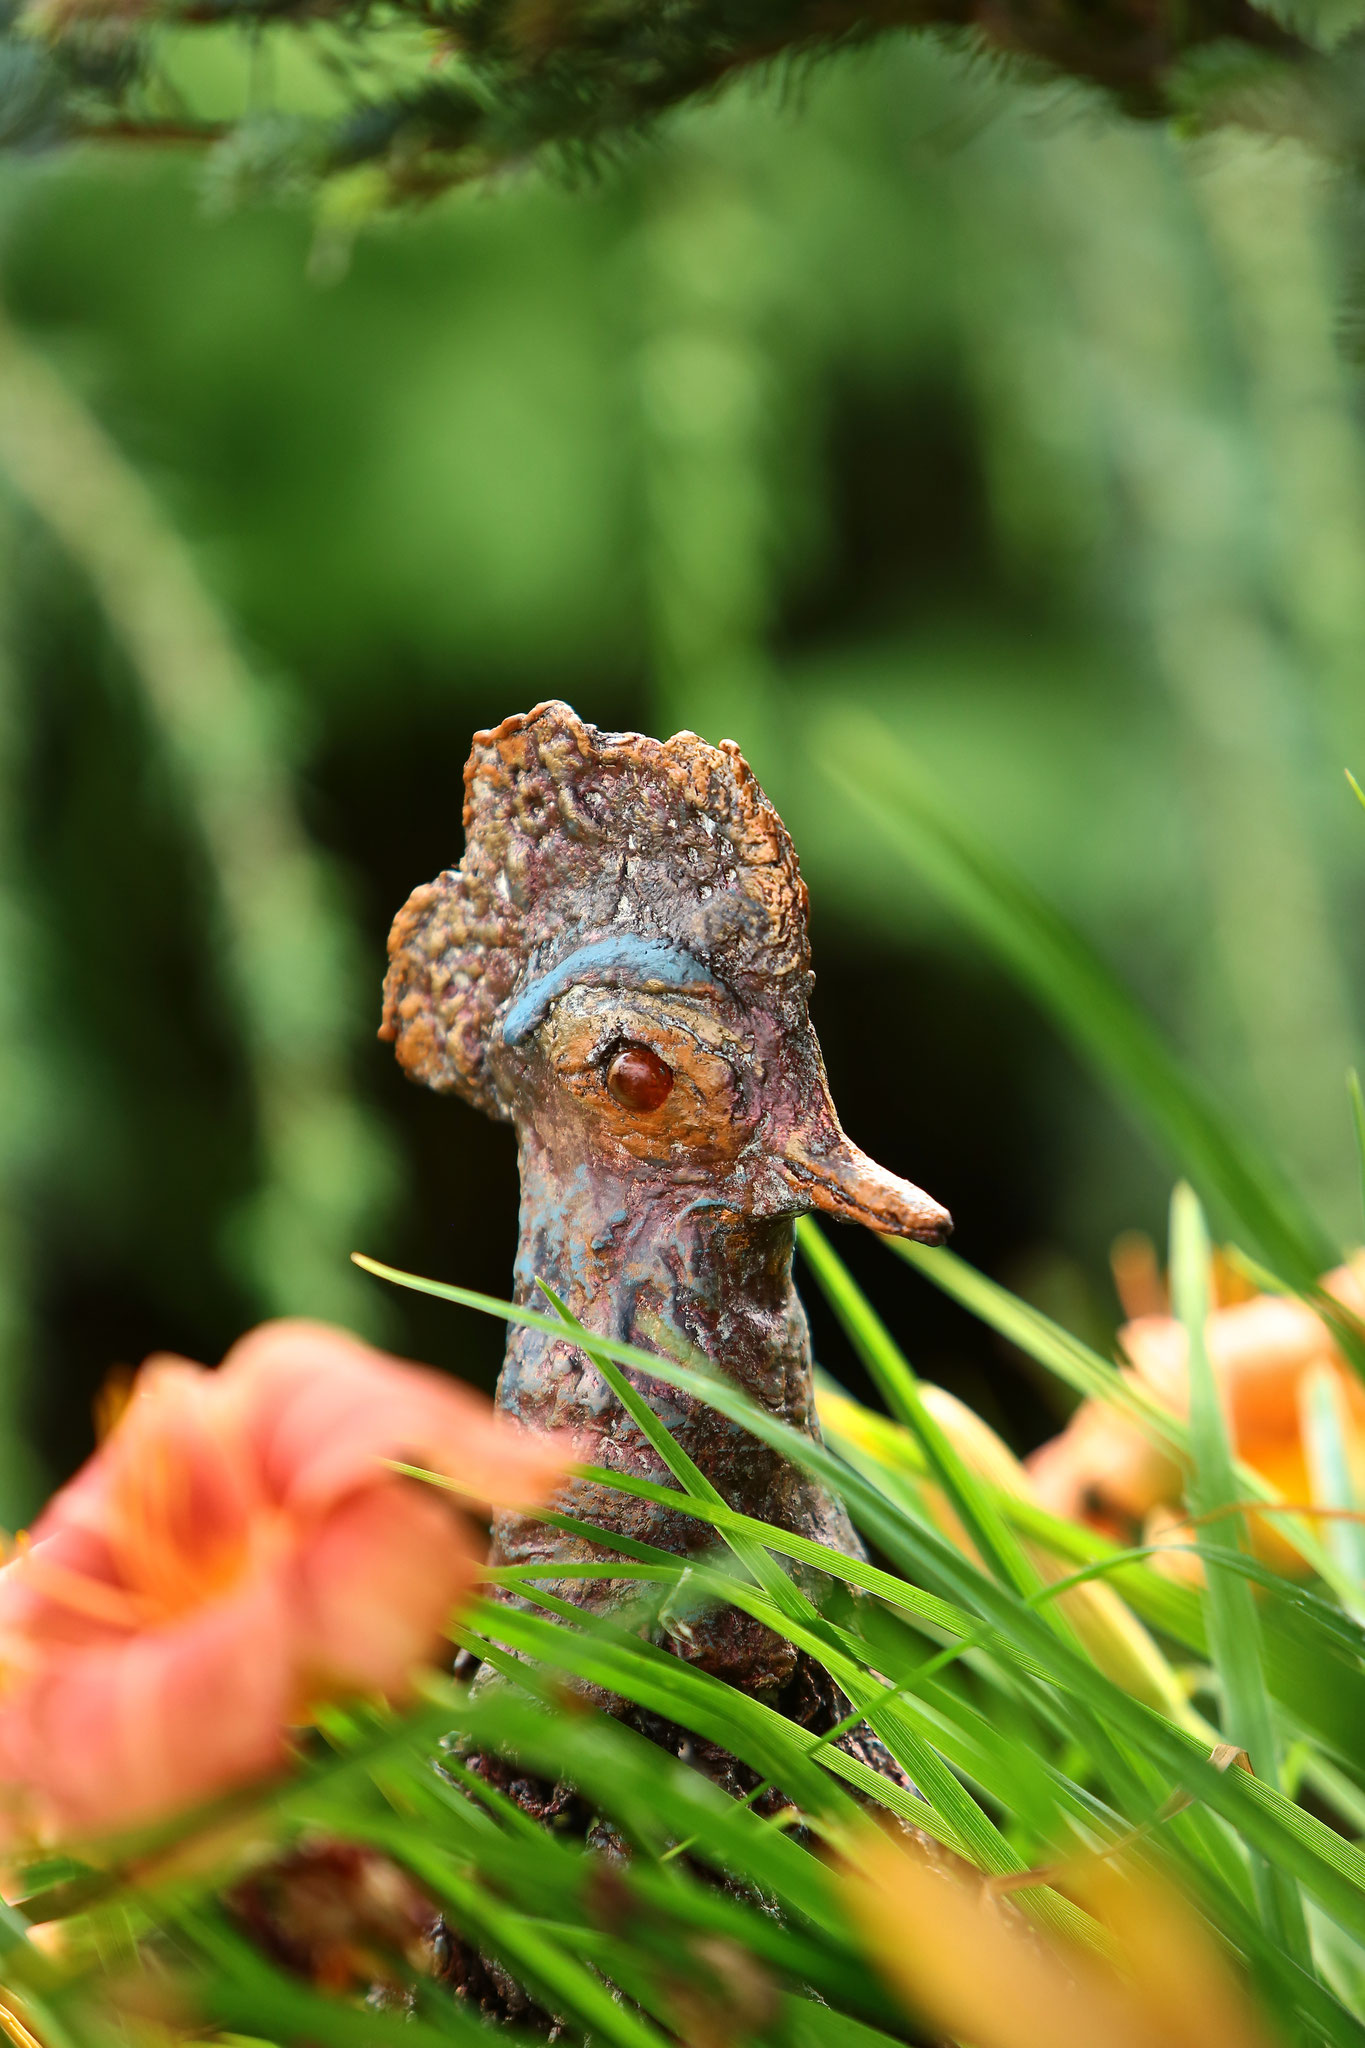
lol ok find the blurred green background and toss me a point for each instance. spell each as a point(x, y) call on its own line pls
point(907, 388)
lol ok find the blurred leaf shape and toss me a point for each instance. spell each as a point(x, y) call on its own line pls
point(878, 775)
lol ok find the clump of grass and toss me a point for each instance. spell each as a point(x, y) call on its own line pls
point(1029, 1760)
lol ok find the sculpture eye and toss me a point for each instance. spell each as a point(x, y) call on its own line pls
point(638, 1079)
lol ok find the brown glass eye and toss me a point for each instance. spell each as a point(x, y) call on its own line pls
point(638, 1079)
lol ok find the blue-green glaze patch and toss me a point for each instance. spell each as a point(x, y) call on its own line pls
point(635, 959)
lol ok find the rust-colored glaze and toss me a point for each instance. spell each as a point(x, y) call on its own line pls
point(630, 912)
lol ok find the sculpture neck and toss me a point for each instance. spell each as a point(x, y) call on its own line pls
point(619, 1251)
point(617, 1247)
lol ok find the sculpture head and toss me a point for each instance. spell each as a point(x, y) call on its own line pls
point(620, 967)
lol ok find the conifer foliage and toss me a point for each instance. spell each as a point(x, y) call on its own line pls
point(401, 101)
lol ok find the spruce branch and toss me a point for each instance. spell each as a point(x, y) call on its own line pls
point(429, 93)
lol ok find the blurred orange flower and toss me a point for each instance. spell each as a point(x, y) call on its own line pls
point(235, 1552)
point(974, 1970)
point(1266, 1352)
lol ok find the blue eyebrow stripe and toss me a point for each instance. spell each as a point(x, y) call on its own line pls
point(641, 959)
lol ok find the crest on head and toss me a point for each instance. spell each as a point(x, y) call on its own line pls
point(591, 855)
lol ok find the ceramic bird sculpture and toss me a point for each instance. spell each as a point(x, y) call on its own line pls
point(619, 967)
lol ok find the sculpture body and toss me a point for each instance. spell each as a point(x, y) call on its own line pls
point(620, 968)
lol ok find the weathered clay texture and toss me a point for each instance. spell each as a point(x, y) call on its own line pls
point(622, 895)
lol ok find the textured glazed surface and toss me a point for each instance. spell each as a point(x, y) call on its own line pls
point(619, 892)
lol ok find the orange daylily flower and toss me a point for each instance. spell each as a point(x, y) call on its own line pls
point(1265, 1351)
point(236, 1552)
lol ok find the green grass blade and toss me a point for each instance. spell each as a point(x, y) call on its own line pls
point(961, 1823)
point(243, 1992)
point(1065, 1355)
point(545, 1966)
point(874, 772)
point(550, 1885)
point(1327, 1430)
point(605, 1352)
point(684, 1468)
point(595, 1650)
point(1314, 1656)
point(1093, 1377)
point(1333, 1870)
point(657, 1798)
point(898, 1384)
point(804, 2024)
point(1358, 1124)
point(928, 1609)
point(607, 1655)
point(1301, 1842)
point(802, 1764)
point(937, 1616)
point(1233, 1624)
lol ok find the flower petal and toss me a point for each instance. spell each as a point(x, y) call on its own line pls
point(1102, 1466)
point(33, 1609)
point(119, 1734)
point(325, 1410)
point(375, 1584)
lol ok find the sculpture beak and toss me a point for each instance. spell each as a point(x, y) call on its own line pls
point(840, 1179)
